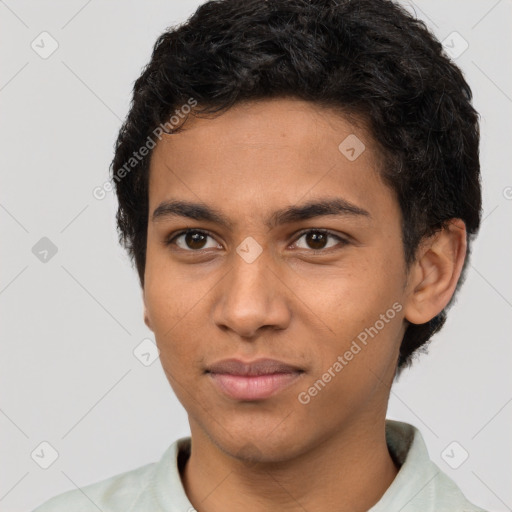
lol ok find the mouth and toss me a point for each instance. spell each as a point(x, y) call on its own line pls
point(256, 380)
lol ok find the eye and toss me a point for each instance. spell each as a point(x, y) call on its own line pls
point(318, 240)
point(192, 240)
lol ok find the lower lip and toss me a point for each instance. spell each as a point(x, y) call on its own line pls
point(257, 387)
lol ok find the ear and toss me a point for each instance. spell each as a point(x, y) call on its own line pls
point(146, 314)
point(434, 275)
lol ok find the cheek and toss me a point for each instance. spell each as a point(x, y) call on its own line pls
point(169, 298)
point(356, 363)
point(359, 310)
point(352, 295)
point(171, 309)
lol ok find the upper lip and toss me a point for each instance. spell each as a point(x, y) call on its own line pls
point(263, 366)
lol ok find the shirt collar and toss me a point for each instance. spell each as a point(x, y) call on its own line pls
point(418, 486)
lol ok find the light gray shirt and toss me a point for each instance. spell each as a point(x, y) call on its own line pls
point(419, 486)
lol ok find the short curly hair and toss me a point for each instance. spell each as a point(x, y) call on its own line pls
point(370, 58)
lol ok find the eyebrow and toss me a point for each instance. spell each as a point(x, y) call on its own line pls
point(309, 210)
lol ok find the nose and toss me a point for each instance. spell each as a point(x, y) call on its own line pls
point(252, 297)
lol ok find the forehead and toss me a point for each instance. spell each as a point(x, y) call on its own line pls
point(267, 153)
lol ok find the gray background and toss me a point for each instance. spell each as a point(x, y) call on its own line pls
point(70, 324)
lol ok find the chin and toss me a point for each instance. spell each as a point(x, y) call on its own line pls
point(263, 446)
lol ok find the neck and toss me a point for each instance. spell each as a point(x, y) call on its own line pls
point(347, 472)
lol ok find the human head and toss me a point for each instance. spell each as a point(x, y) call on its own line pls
point(367, 59)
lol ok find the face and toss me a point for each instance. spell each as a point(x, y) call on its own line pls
point(263, 274)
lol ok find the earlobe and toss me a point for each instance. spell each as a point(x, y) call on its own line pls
point(146, 314)
point(435, 273)
point(146, 319)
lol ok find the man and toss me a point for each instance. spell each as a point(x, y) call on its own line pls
point(298, 186)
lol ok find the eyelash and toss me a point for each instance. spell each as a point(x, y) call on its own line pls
point(341, 241)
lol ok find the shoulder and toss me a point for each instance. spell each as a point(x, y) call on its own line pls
point(153, 487)
point(448, 496)
point(116, 493)
point(420, 484)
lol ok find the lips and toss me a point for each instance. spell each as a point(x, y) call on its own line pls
point(254, 368)
point(255, 380)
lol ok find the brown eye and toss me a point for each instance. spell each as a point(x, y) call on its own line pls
point(318, 240)
point(193, 240)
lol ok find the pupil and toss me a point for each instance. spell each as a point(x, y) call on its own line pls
point(316, 240)
point(195, 240)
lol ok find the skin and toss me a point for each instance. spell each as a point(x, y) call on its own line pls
point(205, 303)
